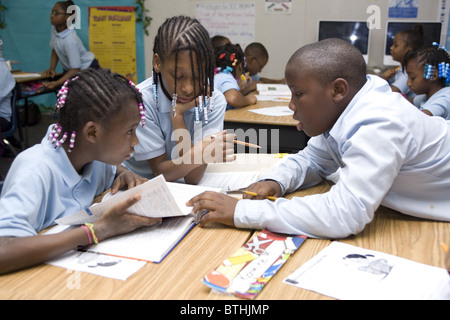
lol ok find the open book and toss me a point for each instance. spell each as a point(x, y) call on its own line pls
point(158, 199)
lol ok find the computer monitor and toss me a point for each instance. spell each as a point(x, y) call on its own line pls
point(432, 32)
point(355, 32)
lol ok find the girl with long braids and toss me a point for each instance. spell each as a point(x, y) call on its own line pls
point(184, 114)
point(77, 160)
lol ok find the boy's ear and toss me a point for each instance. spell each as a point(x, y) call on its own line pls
point(340, 89)
point(156, 63)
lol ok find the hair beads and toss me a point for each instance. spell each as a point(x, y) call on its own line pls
point(141, 106)
point(91, 95)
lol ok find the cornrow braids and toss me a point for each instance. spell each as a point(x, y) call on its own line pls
point(228, 58)
point(184, 33)
point(92, 94)
point(433, 57)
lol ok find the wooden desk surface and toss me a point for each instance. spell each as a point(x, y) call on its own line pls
point(179, 276)
point(28, 76)
point(244, 115)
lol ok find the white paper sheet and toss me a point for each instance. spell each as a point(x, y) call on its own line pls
point(343, 271)
point(279, 111)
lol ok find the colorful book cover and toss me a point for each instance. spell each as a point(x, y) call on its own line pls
point(250, 268)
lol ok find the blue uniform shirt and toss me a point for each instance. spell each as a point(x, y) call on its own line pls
point(42, 186)
point(155, 139)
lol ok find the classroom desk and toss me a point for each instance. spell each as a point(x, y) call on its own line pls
point(282, 129)
point(26, 80)
point(178, 277)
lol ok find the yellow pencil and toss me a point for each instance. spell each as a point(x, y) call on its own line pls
point(246, 144)
point(250, 193)
point(444, 247)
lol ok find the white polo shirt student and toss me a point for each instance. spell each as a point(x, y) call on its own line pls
point(406, 167)
point(70, 50)
point(156, 138)
point(42, 178)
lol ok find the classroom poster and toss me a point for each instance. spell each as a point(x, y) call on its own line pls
point(112, 39)
point(403, 8)
point(234, 20)
point(278, 6)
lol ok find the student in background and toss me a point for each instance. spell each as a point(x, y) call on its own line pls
point(428, 77)
point(219, 41)
point(7, 85)
point(78, 159)
point(229, 71)
point(184, 114)
point(256, 58)
point(67, 47)
point(389, 153)
point(404, 41)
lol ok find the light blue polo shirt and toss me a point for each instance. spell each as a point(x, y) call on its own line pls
point(70, 50)
point(156, 139)
point(224, 82)
point(42, 186)
point(438, 104)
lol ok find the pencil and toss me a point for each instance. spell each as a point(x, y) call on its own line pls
point(444, 247)
point(246, 144)
point(250, 193)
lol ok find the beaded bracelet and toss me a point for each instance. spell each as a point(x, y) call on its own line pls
point(87, 233)
point(91, 228)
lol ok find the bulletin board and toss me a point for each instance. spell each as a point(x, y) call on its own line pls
point(112, 39)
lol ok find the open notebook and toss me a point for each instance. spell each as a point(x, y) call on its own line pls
point(158, 199)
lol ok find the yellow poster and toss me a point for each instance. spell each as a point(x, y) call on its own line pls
point(112, 38)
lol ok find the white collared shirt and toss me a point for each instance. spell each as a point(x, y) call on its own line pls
point(42, 186)
point(70, 50)
point(389, 153)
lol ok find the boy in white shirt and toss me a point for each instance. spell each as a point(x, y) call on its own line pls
point(389, 153)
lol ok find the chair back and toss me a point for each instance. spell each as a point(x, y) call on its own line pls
point(14, 116)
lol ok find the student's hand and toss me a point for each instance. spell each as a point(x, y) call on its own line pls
point(388, 74)
point(221, 207)
point(218, 147)
point(51, 84)
point(263, 189)
point(125, 178)
point(116, 220)
point(49, 72)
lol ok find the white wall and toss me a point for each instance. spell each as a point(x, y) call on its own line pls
point(283, 34)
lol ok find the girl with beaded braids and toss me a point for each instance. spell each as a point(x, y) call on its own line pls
point(229, 71)
point(77, 160)
point(183, 113)
point(429, 78)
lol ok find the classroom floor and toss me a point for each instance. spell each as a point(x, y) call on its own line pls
point(35, 134)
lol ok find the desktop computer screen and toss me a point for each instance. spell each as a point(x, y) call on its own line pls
point(355, 32)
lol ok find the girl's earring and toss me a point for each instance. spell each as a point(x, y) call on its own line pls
point(174, 104)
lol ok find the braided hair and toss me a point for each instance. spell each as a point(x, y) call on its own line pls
point(433, 57)
point(228, 57)
point(92, 94)
point(184, 33)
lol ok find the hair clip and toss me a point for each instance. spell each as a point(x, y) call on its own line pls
point(222, 56)
point(440, 46)
point(228, 69)
point(232, 56)
point(234, 62)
